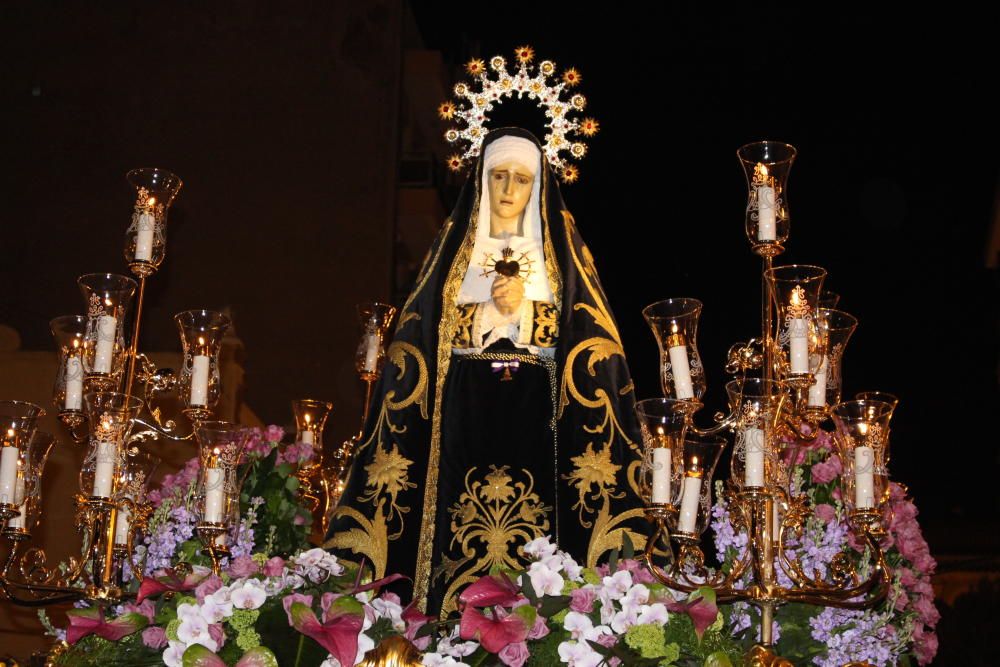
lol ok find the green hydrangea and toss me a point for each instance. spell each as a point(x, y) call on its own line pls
point(591, 577)
point(243, 619)
point(171, 629)
point(560, 616)
point(673, 652)
point(648, 640)
point(248, 639)
point(719, 621)
point(569, 586)
point(260, 559)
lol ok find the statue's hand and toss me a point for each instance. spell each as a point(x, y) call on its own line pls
point(507, 294)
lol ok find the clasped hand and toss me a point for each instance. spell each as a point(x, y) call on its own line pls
point(507, 294)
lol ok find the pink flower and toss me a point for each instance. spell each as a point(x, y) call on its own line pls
point(154, 637)
point(539, 629)
point(825, 512)
point(514, 655)
point(582, 599)
point(243, 566)
point(216, 632)
point(299, 520)
point(414, 621)
point(827, 471)
point(274, 433)
point(289, 600)
point(274, 566)
point(928, 612)
point(146, 608)
point(640, 573)
point(207, 587)
point(606, 640)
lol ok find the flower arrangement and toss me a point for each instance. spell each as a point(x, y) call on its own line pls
point(278, 601)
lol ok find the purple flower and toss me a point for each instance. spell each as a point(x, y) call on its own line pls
point(274, 433)
point(274, 567)
point(154, 637)
point(515, 654)
point(216, 632)
point(825, 513)
point(243, 566)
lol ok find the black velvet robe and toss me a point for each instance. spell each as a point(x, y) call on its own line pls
point(458, 468)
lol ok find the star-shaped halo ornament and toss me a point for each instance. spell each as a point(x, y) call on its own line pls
point(493, 83)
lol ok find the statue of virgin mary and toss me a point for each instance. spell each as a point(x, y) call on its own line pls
point(505, 410)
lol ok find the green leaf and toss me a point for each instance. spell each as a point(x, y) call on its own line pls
point(628, 549)
point(613, 561)
point(529, 590)
point(553, 604)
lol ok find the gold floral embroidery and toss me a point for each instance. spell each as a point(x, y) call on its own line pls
point(594, 473)
point(546, 324)
point(497, 513)
point(387, 473)
point(462, 337)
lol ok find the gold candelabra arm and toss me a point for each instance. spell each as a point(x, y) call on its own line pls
point(209, 534)
point(139, 513)
point(743, 357)
point(165, 431)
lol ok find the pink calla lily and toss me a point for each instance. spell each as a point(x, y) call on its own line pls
point(495, 634)
point(700, 606)
point(491, 591)
point(197, 655)
point(90, 621)
point(338, 633)
point(169, 580)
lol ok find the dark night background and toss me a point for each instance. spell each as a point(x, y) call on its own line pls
point(291, 124)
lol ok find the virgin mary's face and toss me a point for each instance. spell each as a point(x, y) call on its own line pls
point(510, 188)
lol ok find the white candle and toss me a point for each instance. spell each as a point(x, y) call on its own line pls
point(817, 392)
point(122, 525)
point(107, 327)
point(306, 437)
point(18, 521)
point(74, 383)
point(753, 474)
point(199, 380)
point(8, 474)
point(765, 214)
point(214, 494)
point(105, 471)
point(144, 237)
point(681, 371)
point(689, 504)
point(864, 477)
point(661, 475)
point(798, 341)
point(371, 353)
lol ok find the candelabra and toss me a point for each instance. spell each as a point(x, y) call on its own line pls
point(106, 394)
point(324, 483)
point(798, 359)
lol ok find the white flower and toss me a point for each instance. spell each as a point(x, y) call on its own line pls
point(438, 660)
point(577, 624)
point(392, 611)
point(636, 596)
point(330, 662)
point(618, 584)
point(216, 612)
point(365, 644)
point(449, 647)
point(173, 656)
point(544, 580)
point(186, 611)
point(221, 596)
point(194, 630)
point(654, 613)
point(624, 620)
point(553, 562)
point(250, 595)
point(573, 569)
point(540, 547)
point(577, 654)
